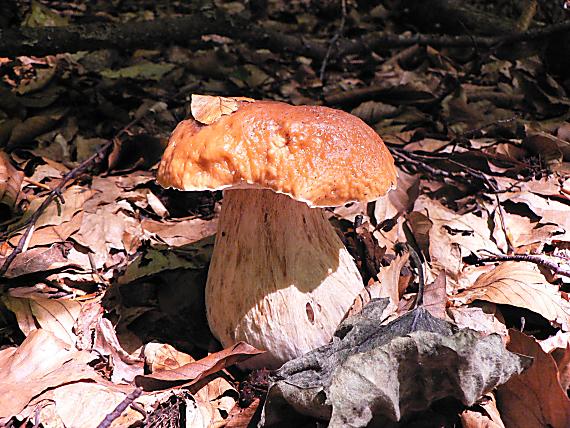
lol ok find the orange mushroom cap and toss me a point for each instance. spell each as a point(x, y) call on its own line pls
point(318, 155)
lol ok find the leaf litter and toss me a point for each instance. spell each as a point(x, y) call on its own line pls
point(110, 282)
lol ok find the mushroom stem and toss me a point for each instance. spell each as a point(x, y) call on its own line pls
point(280, 277)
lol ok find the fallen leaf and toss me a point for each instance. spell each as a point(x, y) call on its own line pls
point(522, 285)
point(124, 366)
point(193, 372)
point(435, 297)
point(179, 233)
point(454, 236)
point(38, 259)
point(215, 400)
point(162, 356)
point(374, 372)
point(484, 415)
point(207, 109)
point(85, 404)
point(10, 182)
point(42, 16)
point(478, 318)
point(57, 316)
point(41, 362)
point(240, 418)
point(558, 346)
point(533, 399)
point(389, 279)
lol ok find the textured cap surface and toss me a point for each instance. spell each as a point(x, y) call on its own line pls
point(318, 155)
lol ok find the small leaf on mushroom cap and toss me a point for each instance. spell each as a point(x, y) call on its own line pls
point(207, 109)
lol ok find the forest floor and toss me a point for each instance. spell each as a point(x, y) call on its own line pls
point(103, 271)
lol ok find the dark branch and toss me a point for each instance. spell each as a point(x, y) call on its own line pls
point(121, 407)
point(561, 268)
point(72, 38)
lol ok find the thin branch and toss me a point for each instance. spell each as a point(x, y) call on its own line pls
point(121, 407)
point(562, 269)
point(334, 40)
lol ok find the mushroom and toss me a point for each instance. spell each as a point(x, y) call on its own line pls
point(280, 278)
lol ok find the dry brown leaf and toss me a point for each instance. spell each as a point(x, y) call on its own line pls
point(240, 418)
point(486, 415)
point(57, 213)
point(389, 279)
point(399, 200)
point(37, 259)
point(109, 228)
point(215, 400)
point(435, 297)
point(125, 366)
point(41, 362)
point(549, 210)
point(193, 372)
point(522, 231)
point(558, 346)
point(178, 233)
point(481, 318)
point(207, 109)
point(454, 236)
point(10, 181)
point(162, 356)
point(522, 285)
point(57, 316)
point(156, 205)
point(533, 399)
point(549, 147)
point(85, 405)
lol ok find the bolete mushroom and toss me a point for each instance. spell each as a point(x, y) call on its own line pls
point(280, 277)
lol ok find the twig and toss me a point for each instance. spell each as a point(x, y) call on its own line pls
point(563, 270)
point(37, 184)
point(116, 413)
point(333, 40)
point(54, 194)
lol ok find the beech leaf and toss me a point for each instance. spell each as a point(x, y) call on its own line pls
point(520, 284)
point(207, 109)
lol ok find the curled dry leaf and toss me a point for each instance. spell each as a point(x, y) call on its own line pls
point(535, 398)
point(522, 285)
point(484, 415)
point(10, 182)
point(125, 366)
point(191, 373)
point(207, 109)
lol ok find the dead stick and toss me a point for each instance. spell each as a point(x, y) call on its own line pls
point(533, 258)
point(72, 38)
point(116, 413)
